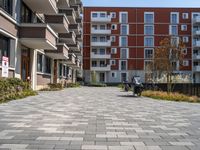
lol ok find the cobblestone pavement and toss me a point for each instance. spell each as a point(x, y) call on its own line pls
point(98, 119)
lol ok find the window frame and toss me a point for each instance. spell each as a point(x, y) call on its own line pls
point(145, 17)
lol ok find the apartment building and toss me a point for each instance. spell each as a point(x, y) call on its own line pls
point(119, 42)
point(42, 39)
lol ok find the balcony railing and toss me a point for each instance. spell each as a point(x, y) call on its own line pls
point(101, 19)
point(101, 43)
point(196, 56)
point(197, 44)
point(100, 56)
point(196, 68)
point(197, 32)
point(100, 31)
point(101, 68)
point(196, 19)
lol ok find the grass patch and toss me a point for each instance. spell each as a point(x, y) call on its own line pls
point(73, 85)
point(97, 84)
point(171, 96)
point(53, 87)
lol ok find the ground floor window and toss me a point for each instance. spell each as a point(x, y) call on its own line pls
point(60, 69)
point(39, 62)
point(4, 47)
point(47, 65)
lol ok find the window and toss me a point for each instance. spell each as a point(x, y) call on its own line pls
point(124, 29)
point(64, 70)
point(39, 62)
point(123, 77)
point(102, 63)
point(148, 30)
point(123, 41)
point(113, 50)
point(102, 27)
point(123, 17)
point(184, 51)
point(114, 27)
point(60, 69)
point(183, 27)
point(113, 74)
point(94, 50)
point(94, 39)
point(26, 14)
point(6, 5)
point(102, 51)
point(4, 47)
point(185, 63)
point(149, 41)
point(113, 14)
point(149, 17)
point(148, 53)
point(174, 18)
point(94, 27)
point(94, 63)
point(185, 39)
point(113, 62)
point(102, 39)
point(47, 65)
point(175, 41)
point(185, 16)
point(173, 30)
point(123, 65)
point(123, 53)
point(94, 15)
point(102, 15)
point(113, 38)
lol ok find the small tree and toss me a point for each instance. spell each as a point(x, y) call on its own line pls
point(166, 57)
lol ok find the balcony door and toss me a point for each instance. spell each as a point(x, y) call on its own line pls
point(102, 77)
point(25, 64)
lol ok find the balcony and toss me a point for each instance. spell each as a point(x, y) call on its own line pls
point(77, 9)
point(102, 44)
point(196, 68)
point(196, 56)
point(79, 20)
point(68, 38)
point(61, 53)
point(79, 37)
point(75, 48)
point(197, 32)
point(58, 22)
point(100, 31)
point(72, 59)
point(63, 4)
point(101, 19)
point(42, 6)
point(196, 44)
point(100, 56)
point(70, 14)
point(101, 68)
point(196, 19)
point(75, 27)
point(37, 36)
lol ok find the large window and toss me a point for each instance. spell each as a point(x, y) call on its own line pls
point(123, 41)
point(124, 53)
point(149, 17)
point(123, 65)
point(148, 30)
point(174, 18)
point(149, 41)
point(6, 5)
point(173, 30)
point(124, 29)
point(148, 53)
point(39, 62)
point(123, 17)
point(47, 66)
point(4, 47)
point(26, 14)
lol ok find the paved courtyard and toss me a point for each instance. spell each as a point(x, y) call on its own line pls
point(98, 119)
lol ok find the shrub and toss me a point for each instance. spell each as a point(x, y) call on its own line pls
point(14, 88)
point(73, 85)
point(121, 86)
point(170, 96)
point(55, 86)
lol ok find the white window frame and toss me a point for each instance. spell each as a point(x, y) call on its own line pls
point(120, 16)
point(151, 13)
point(176, 13)
point(185, 63)
point(183, 27)
point(126, 75)
point(115, 50)
point(113, 13)
point(127, 53)
point(111, 62)
point(127, 32)
point(115, 74)
point(115, 27)
point(170, 29)
point(113, 37)
point(145, 53)
point(184, 51)
point(149, 37)
point(185, 14)
point(145, 29)
point(185, 39)
point(120, 64)
point(120, 41)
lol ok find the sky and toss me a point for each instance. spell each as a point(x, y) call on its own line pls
point(142, 3)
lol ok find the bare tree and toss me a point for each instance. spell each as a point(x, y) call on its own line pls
point(166, 58)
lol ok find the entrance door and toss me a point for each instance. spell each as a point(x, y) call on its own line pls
point(101, 77)
point(123, 77)
point(25, 64)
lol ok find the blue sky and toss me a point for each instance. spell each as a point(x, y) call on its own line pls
point(143, 3)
